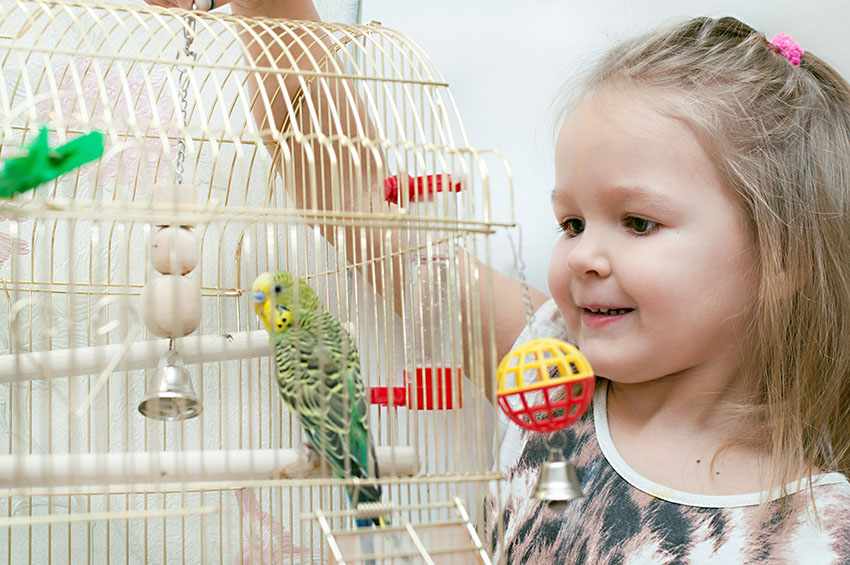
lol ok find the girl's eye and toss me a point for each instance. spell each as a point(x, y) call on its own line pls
point(572, 226)
point(640, 226)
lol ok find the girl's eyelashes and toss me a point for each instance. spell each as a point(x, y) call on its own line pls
point(571, 226)
point(635, 224)
point(640, 226)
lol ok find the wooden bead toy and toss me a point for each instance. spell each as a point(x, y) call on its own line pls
point(175, 250)
point(171, 305)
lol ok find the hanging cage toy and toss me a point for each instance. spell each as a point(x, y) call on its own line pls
point(544, 385)
point(171, 302)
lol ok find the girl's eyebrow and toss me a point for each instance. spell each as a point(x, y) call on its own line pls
point(640, 194)
point(644, 195)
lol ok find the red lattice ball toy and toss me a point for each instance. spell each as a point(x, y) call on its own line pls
point(544, 385)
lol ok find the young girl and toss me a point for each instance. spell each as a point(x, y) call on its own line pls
point(702, 186)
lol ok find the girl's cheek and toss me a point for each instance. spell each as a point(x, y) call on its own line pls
point(558, 276)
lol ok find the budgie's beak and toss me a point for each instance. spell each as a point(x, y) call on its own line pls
point(262, 301)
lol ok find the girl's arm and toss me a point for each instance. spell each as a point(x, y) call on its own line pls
point(308, 163)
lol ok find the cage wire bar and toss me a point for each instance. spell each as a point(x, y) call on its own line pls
point(83, 475)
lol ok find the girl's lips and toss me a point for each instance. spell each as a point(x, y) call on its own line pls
point(597, 317)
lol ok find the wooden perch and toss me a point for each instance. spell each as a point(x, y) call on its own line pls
point(139, 355)
point(97, 469)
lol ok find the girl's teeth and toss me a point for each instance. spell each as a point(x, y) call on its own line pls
point(608, 311)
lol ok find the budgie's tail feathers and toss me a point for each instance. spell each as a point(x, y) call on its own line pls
point(379, 521)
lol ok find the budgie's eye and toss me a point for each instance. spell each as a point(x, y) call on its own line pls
point(278, 289)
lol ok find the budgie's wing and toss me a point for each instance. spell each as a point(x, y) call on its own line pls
point(332, 403)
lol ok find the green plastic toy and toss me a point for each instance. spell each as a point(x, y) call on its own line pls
point(41, 164)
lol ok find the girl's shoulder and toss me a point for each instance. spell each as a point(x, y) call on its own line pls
point(827, 504)
point(831, 487)
point(819, 531)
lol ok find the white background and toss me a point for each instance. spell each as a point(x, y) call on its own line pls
point(506, 61)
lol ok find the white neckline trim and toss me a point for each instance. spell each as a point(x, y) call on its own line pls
point(603, 437)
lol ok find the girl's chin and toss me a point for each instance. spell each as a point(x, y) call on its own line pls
point(615, 361)
point(625, 380)
point(624, 373)
point(600, 360)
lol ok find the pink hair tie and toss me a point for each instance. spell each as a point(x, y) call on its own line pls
point(788, 48)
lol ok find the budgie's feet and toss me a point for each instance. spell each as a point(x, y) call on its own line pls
point(316, 463)
point(309, 465)
point(301, 467)
point(313, 457)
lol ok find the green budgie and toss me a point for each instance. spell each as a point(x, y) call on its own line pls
point(318, 374)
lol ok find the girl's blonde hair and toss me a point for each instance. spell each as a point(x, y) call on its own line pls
point(780, 137)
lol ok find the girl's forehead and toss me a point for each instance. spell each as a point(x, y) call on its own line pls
point(615, 140)
point(629, 133)
point(625, 108)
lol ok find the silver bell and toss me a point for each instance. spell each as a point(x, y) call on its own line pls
point(557, 483)
point(170, 396)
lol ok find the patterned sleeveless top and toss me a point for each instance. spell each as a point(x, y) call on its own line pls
point(627, 519)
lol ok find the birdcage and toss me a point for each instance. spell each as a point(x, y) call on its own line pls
point(124, 284)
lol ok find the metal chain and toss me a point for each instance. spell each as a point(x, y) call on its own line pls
point(519, 265)
point(183, 81)
point(557, 443)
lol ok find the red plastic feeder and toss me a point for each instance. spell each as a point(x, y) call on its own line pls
point(419, 189)
point(544, 385)
point(431, 388)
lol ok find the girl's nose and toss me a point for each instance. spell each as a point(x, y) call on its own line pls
point(588, 256)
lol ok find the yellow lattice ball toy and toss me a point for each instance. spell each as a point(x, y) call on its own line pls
point(545, 384)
